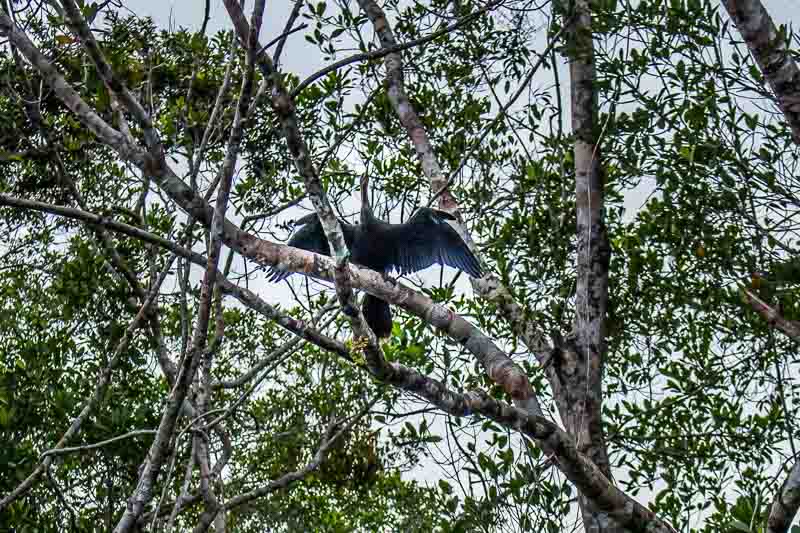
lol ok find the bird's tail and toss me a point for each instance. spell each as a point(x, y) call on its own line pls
point(378, 316)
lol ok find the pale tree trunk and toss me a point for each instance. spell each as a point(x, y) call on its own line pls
point(580, 362)
point(772, 54)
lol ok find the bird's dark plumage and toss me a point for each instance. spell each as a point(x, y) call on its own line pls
point(425, 239)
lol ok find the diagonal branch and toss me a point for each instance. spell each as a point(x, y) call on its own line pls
point(78, 25)
point(790, 327)
point(245, 296)
point(769, 48)
point(393, 49)
point(786, 502)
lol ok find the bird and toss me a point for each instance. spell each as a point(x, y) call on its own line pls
point(426, 238)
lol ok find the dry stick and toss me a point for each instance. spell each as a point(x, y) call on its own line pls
point(73, 449)
point(284, 481)
point(281, 39)
point(215, 112)
point(103, 381)
point(285, 349)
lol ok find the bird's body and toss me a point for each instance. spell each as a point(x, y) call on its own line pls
point(425, 239)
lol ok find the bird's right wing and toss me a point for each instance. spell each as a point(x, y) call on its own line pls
point(426, 239)
point(309, 237)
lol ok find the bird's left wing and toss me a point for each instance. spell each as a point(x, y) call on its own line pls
point(309, 237)
point(426, 239)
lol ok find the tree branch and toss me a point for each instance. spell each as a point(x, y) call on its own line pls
point(772, 55)
point(786, 502)
point(773, 317)
point(393, 49)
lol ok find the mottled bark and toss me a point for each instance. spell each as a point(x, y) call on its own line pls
point(580, 364)
point(787, 501)
point(769, 48)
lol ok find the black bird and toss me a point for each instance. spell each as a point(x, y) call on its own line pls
point(425, 239)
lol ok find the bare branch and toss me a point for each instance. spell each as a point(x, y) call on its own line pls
point(790, 327)
point(393, 49)
point(247, 297)
point(298, 5)
point(73, 449)
point(77, 24)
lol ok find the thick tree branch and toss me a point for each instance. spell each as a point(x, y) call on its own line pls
point(786, 502)
point(94, 446)
point(581, 363)
point(769, 48)
point(78, 25)
point(790, 327)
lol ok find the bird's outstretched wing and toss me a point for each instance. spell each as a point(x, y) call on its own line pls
point(309, 237)
point(426, 239)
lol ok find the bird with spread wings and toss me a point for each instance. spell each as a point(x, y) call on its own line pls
point(426, 238)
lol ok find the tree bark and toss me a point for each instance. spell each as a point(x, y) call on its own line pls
point(772, 55)
point(580, 361)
